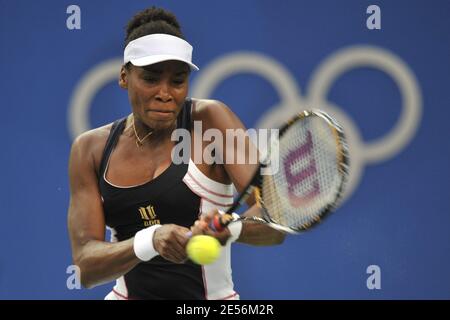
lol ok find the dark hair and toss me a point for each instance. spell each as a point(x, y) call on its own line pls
point(152, 20)
point(149, 21)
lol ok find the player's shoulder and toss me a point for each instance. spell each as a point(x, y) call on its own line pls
point(90, 144)
point(209, 111)
point(207, 106)
point(93, 137)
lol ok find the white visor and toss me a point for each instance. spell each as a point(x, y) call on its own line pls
point(158, 47)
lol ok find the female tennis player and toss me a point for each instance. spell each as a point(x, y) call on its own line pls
point(122, 176)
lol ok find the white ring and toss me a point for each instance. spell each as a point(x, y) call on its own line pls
point(236, 63)
point(359, 56)
point(85, 91)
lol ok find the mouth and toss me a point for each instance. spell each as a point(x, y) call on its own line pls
point(161, 113)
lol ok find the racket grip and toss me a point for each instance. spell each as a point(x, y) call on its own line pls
point(220, 222)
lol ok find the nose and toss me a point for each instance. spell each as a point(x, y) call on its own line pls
point(163, 94)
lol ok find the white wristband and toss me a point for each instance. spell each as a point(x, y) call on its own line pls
point(143, 243)
point(235, 228)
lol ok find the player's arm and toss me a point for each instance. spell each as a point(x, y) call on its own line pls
point(218, 115)
point(100, 261)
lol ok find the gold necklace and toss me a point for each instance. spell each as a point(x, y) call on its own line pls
point(139, 141)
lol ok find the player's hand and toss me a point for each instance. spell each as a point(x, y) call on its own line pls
point(201, 226)
point(170, 242)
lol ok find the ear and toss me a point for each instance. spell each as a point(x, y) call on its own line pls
point(123, 78)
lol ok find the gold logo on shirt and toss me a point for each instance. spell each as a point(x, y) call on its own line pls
point(148, 216)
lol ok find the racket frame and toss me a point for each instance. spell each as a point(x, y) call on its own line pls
point(255, 184)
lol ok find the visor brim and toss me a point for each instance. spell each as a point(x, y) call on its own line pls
point(145, 61)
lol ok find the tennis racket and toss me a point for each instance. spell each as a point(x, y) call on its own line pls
point(312, 171)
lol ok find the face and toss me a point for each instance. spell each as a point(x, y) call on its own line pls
point(156, 92)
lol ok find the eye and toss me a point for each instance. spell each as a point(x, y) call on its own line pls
point(150, 79)
point(178, 81)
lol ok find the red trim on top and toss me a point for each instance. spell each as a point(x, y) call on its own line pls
point(206, 189)
point(207, 199)
point(120, 295)
point(217, 203)
point(229, 297)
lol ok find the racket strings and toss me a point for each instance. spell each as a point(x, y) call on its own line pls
point(310, 177)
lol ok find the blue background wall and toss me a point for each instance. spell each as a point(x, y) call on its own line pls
point(396, 217)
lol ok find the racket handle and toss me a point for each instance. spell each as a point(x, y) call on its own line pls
point(220, 222)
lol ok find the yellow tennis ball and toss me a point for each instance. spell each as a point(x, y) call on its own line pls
point(203, 249)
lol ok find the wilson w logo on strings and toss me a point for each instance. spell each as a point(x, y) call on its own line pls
point(296, 178)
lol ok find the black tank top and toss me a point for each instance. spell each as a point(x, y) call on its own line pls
point(163, 200)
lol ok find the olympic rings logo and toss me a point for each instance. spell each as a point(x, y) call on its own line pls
point(361, 153)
